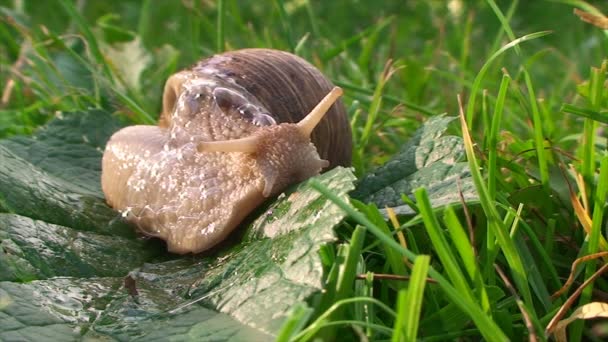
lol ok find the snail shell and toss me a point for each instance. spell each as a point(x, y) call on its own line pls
point(234, 130)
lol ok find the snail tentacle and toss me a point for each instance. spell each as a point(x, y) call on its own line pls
point(310, 121)
point(244, 145)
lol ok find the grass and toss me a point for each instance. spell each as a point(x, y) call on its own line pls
point(532, 81)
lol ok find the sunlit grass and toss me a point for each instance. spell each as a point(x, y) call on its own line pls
point(532, 79)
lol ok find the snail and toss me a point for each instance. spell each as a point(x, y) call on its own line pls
point(235, 129)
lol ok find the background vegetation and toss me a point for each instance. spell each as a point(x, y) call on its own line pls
point(536, 112)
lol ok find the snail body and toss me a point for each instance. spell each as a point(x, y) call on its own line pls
point(234, 131)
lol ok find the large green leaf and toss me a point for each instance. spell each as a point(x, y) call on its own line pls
point(54, 176)
point(431, 160)
point(64, 254)
point(37, 250)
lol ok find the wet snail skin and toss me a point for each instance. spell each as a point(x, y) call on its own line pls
point(235, 129)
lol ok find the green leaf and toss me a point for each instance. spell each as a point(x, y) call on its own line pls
point(428, 160)
point(51, 309)
point(74, 252)
point(55, 175)
point(33, 249)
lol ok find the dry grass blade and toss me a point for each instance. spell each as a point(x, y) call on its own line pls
point(600, 21)
point(468, 218)
point(581, 212)
point(10, 83)
point(524, 313)
point(573, 269)
point(587, 311)
point(580, 182)
point(26, 47)
point(562, 311)
point(393, 217)
point(395, 222)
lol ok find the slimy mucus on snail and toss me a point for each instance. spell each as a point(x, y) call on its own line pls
point(234, 130)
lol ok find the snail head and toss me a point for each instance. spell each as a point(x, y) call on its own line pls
point(284, 152)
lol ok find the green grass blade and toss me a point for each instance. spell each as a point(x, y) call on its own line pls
point(347, 261)
point(467, 254)
point(493, 172)
point(367, 290)
point(599, 116)
point(585, 5)
point(141, 115)
point(596, 90)
point(286, 24)
point(393, 257)
point(592, 246)
point(596, 226)
point(220, 26)
point(410, 301)
point(504, 19)
point(485, 117)
point(495, 223)
point(381, 328)
point(539, 248)
point(345, 44)
point(84, 27)
point(601, 198)
point(466, 45)
point(441, 246)
point(310, 331)
point(374, 111)
point(295, 322)
point(392, 99)
point(539, 136)
point(313, 19)
point(331, 281)
point(144, 19)
point(476, 88)
point(348, 269)
point(300, 46)
point(488, 328)
point(399, 328)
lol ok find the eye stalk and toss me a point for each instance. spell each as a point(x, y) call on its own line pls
point(249, 144)
point(308, 124)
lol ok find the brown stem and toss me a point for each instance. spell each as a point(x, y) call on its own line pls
point(532, 334)
point(391, 277)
